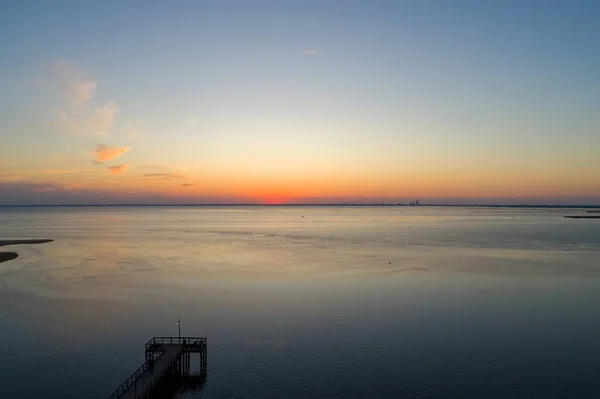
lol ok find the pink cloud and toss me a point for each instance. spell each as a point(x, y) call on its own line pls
point(104, 152)
point(117, 169)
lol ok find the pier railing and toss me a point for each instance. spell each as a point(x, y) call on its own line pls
point(174, 340)
point(137, 373)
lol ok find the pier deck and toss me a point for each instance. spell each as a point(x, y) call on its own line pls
point(165, 357)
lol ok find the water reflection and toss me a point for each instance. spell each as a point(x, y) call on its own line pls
point(345, 303)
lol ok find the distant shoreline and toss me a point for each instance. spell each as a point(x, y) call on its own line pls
point(519, 206)
point(18, 242)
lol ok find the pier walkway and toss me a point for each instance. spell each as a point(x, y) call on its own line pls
point(165, 357)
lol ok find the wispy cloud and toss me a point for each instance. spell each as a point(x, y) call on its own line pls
point(10, 178)
point(47, 192)
point(59, 171)
point(188, 185)
point(103, 118)
point(95, 122)
point(67, 159)
point(163, 176)
point(17, 174)
point(190, 122)
point(79, 113)
point(117, 169)
point(82, 115)
point(310, 52)
point(132, 129)
point(104, 152)
point(72, 81)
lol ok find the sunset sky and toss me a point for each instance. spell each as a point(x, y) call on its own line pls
point(299, 101)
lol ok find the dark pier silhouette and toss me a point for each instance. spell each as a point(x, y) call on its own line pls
point(167, 364)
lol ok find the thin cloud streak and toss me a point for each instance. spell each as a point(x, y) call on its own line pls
point(66, 159)
point(163, 176)
point(174, 175)
point(311, 52)
point(117, 169)
point(190, 122)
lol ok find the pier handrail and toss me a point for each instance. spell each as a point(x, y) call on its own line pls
point(175, 340)
point(136, 374)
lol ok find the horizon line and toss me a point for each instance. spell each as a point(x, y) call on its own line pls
point(471, 205)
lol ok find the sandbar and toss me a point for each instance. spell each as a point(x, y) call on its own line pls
point(15, 242)
point(6, 256)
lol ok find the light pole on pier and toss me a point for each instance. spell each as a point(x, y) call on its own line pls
point(179, 330)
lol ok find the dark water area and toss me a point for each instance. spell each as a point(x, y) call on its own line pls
point(349, 302)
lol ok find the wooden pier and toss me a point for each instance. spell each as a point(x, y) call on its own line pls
point(166, 357)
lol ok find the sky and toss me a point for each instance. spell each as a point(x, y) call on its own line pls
point(315, 101)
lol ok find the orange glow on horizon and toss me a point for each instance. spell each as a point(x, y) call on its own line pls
point(352, 185)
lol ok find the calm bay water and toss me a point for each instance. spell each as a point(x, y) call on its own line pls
point(321, 302)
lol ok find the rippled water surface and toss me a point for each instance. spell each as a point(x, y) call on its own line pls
point(323, 302)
